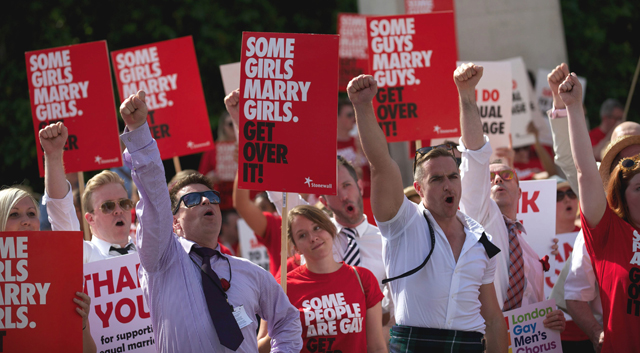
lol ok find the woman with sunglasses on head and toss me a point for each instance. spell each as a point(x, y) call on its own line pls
point(19, 212)
point(610, 224)
point(340, 305)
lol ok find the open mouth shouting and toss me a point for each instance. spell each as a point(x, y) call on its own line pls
point(120, 223)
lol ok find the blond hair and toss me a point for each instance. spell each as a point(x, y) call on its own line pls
point(103, 178)
point(9, 197)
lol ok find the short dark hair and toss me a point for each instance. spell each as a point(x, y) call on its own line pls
point(345, 163)
point(193, 178)
point(418, 173)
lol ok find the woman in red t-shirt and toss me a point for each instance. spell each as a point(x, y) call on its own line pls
point(340, 309)
point(610, 230)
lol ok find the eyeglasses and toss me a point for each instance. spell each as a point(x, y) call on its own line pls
point(506, 174)
point(561, 194)
point(628, 164)
point(108, 206)
point(195, 198)
point(449, 146)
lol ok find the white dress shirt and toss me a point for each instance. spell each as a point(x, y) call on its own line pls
point(476, 202)
point(581, 283)
point(62, 216)
point(443, 294)
point(368, 238)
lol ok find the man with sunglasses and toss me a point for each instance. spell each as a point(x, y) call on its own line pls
point(490, 195)
point(105, 200)
point(440, 261)
point(199, 299)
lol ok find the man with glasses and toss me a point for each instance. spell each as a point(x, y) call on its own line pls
point(199, 299)
point(490, 195)
point(105, 200)
point(440, 261)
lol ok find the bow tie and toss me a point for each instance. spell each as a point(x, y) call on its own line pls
point(122, 251)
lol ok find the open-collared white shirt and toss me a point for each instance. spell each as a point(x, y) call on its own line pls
point(445, 293)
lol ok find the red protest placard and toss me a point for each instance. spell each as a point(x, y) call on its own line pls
point(41, 272)
point(72, 84)
point(288, 108)
point(168, 73)
point(412, 58)
point(427, 6)
point(353, 52)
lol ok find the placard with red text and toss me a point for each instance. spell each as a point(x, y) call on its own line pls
point(354, 59)
point(120, 319)
point(494, 98)
point(288, 108)
point(413, 58)
point(427, 6)
point(40, 274)
point(72, 84)
point(537, 212)
point(556, 263)
point(168, 73)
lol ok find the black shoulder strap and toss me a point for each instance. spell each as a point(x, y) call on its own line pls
point(423, 264)
point(491, 249)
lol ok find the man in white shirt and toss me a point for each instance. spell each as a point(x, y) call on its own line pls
point(448, 301)
point(491, 195)
point(105, 201)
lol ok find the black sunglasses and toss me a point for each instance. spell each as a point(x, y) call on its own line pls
point(195, 198)
point(108, 206)
point(449, 146)
point(561, 194)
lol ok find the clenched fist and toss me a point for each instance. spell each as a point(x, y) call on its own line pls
point(362, 89)
point(231, 101)
point(570, 90)
point(467, 77)
point(134, 110)
point(53, 138)
point(554, 79)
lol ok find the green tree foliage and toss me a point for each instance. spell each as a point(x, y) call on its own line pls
point(216, 27)
point(603, 43)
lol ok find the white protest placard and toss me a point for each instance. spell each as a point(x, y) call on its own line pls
point(521, 107)
point(527, 332)
point(493, 97)
point(537, 212)
point(119, 318)
point(556, 263)
point(250, 248)
point(545, 102)
point(230, 76)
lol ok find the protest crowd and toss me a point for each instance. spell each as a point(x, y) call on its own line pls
point(443, 265)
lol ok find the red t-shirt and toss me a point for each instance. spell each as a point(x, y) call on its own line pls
point(272, 240)
point(333, 309)
point(292, 263)
point(614, 247)
point(596, 136)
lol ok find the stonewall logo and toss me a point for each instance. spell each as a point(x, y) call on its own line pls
point(100, 160)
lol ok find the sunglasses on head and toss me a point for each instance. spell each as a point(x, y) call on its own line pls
point(561, 194)
point(108, 206)
point(195, 198)
point(449, 146)
point(506, 174)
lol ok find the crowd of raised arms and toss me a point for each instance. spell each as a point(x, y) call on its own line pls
point(432, 271)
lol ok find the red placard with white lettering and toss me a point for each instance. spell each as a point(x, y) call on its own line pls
point(288, 108)
point(427, 6)
point(168, 73)
point(412, 57)
point(354, 59)
point(72, 84)
point(41, 273)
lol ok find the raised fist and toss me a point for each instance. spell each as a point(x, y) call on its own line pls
point(570, 90)
point(554, 79)
point(231, 101)
point(467, 77)
point(53, 138)
point(134, 110)
point(362, 89)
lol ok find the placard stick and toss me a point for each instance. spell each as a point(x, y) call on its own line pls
point(85, 225)
point(633, 87)
point(283, 245)
point(176, 164)
point(418, 144)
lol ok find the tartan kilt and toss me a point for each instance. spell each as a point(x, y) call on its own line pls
point(420, 339)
